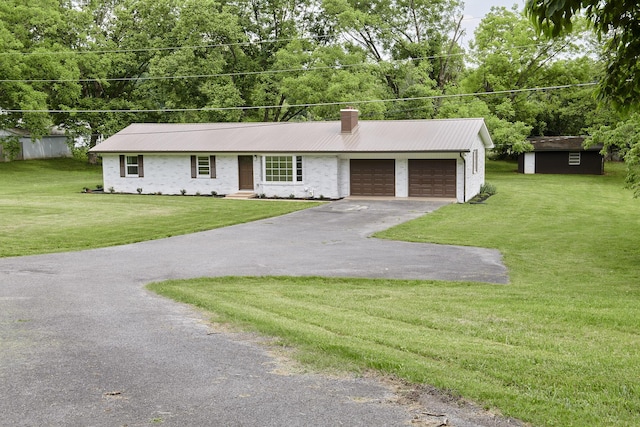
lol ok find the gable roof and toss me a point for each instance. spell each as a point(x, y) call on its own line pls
point(561, 143)
point(449, 135)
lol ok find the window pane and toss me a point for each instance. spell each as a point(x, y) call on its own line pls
point(299, 168)
point(132, 165)
point(278, 168)
point(203, 165)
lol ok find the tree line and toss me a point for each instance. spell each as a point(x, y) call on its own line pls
point(92, 67)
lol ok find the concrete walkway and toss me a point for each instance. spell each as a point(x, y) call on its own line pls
point(83, 343)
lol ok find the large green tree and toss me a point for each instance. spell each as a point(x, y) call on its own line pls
point(508, 57)
point(38, 70)
point(574, 108)
point(622, 139)
point(201, 72)
point(414, 42)
point(273, 26)
point(616, 23)
point(122, 38)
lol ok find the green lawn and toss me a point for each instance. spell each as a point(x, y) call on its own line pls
point(43, 209)
point(558, 346)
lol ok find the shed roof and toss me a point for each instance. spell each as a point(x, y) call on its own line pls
point(561, 143)
point(450, 135)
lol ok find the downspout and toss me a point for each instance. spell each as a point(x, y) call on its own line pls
point(464, 178)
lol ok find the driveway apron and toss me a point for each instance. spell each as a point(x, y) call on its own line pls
point(83, 343)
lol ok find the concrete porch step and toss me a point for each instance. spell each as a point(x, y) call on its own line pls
point(241, 195)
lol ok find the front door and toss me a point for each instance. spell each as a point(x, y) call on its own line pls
point(245, 172)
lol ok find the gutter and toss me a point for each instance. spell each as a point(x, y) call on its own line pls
point(464, 179)
point(263, 150)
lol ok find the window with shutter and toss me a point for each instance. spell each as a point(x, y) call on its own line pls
point(203, 166)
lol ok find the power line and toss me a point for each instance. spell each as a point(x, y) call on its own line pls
point(303, 105)
point(161, 49)
point(233, 74)
point(241, 73)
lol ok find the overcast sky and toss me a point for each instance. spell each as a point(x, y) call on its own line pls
point(475, 10)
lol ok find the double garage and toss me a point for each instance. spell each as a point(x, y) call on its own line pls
point(426, 177)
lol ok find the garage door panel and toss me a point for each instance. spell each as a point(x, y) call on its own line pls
point(432, 178)
point(373, 177)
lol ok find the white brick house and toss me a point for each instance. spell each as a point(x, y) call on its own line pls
point(413, 158)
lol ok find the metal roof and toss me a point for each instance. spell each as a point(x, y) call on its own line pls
point(449, 135)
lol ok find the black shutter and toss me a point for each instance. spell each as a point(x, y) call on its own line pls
point(194, 167)
point(123, 167)
point(140, 167)
point(212, 166)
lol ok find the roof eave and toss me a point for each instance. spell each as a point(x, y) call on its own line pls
point(461, 150)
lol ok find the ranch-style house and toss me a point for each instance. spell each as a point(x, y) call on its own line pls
point(350, 157)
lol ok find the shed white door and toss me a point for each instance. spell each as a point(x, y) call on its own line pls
point(432, 178)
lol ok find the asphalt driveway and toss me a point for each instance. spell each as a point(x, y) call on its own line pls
point(83, 343)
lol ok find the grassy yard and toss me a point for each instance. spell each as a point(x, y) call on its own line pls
point(558, 346)
point(43, 209)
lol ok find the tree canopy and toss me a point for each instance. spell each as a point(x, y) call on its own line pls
point(93, 67)
point(617, 25)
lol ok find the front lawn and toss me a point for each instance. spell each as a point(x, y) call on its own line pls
point(558, 346)
point(44, 210)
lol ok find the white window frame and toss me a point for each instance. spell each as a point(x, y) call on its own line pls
point(475, 161)
point(128, 165)
point(205, 166)
point(574, 159)
point(291, 171)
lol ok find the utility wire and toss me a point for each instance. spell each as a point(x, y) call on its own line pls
point(239, 73)
point(161, 49)
point(303, 105)
point(234, 74)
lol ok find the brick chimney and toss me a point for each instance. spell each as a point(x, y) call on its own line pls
point(349, 120)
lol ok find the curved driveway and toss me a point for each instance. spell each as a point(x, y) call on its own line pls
point(83, 343)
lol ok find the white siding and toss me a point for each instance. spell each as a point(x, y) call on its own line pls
point(344, 174)
point(169, 174)
point(319, 179)
point(474, 180)
point(402, 177)
point(323, 175)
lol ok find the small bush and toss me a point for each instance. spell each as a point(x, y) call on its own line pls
point(112, 190)
point(183, 191)
point(139, 190)
point(214, 193)
point(487, 189)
